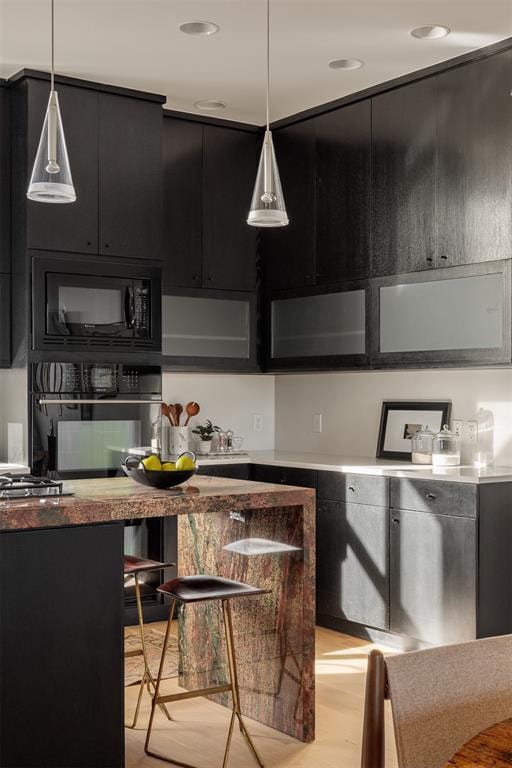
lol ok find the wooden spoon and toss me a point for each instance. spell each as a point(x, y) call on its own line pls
point(192, 409)
point(179, 410)
point(166, 410)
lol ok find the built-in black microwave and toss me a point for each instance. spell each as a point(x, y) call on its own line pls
point(85, 304)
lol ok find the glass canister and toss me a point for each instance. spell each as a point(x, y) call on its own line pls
point(446, 452)
point(422, 446)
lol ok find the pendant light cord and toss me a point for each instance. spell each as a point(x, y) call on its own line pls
point(52, 79)
point(268, 59)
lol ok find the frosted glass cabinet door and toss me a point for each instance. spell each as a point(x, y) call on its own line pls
point(196, 328)
point(328, 325)
point(453, 316)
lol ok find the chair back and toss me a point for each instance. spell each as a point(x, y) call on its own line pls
point(442, 697)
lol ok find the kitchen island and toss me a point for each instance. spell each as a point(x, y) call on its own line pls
point(61, 610)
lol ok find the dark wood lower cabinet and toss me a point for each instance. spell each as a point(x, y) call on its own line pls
point(353, 563)
point(233, 471)
point(61, 647)
point(433, 576)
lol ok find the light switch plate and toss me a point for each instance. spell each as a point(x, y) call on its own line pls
point(257, 422)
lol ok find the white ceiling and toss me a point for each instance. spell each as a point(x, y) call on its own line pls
point(137, 43)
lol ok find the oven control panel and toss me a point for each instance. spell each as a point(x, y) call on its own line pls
point(100, 379)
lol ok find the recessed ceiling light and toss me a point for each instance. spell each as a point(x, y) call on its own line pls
point(430, 32)
point(203, 28)
point(209, 105)
point(346, 64)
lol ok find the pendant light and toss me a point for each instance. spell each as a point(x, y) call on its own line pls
point(51, 180)
point(267, 205)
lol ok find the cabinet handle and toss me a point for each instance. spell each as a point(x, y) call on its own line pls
point(210, 278)
point(444, 257)
point(351, 488)
point(396, 520)
point(429, 258)
point(430, 496)
point(89, 242)
point(195, 277)
point(107, 245)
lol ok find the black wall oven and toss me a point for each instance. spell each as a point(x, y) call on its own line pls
point(86, 304)
point(87, 417)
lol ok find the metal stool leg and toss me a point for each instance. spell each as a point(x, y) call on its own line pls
point(147, 677)
point(230, 645)
point(159, 678)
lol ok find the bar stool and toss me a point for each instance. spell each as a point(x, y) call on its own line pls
point(134, 566)
point(196, 589)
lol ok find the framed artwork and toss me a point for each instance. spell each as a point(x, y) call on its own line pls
point(401, 419)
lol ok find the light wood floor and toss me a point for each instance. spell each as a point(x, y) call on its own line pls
point(199, 730)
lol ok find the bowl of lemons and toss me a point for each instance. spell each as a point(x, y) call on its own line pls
point(156, 473)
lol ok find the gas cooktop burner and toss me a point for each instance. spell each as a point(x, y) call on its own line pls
point(26, 486)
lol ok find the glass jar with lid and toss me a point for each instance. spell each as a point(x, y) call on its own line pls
point(446, 452)
point(422, 445)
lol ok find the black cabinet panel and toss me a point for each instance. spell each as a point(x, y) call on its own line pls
point(352, 563)
point(441, 497)
point(234, 471)
point(403, 179)
point(183, 204)
point(306, 478)
point(130, 177)
point(361, 489)
point(343, 194)
point(73, 227)
point(290, 251)
point(433, 576)
point(229, 243)
point(61, 638)
point(5, 180)
point(5, 321)
point(474, 126)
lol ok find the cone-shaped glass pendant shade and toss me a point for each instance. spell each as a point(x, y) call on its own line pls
point(267, 204)
point(51, 180)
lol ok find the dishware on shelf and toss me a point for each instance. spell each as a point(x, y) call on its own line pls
point(422, 446)
point(446, 448)
point(156, 478)
point(237, 444)
point(222, 442)
point(192, 409)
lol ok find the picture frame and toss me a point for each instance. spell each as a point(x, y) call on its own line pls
point(401, 418)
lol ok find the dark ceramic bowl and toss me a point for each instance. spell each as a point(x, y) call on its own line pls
point(154, 478)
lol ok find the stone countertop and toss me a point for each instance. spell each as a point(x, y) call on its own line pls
point(365, 465)
point(107, 499)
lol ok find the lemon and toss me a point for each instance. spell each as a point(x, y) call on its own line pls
point(152, 462)
point(169, 466)
point(185, 462)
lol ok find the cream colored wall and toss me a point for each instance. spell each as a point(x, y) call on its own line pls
point(350, 404)
point(229, 400)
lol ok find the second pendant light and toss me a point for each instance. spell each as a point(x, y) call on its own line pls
point(267, 205)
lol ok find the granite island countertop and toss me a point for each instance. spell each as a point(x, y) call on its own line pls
point(120, 498)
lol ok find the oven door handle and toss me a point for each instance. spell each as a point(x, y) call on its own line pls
point(129, 308)
point(105, 401)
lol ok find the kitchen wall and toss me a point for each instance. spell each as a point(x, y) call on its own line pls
point(351, 403)
point(13, 415)
point(229, 400)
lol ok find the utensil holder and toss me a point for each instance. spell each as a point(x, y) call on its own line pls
point(179, 440)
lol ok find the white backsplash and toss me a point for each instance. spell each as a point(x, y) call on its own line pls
point(230, 401)
point(350, 404)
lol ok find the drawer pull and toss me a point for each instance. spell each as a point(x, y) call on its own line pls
point(351, 488)
point(430, 496)
point(238, 516)
point(396, 520)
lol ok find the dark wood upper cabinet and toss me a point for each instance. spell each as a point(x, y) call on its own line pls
point(474, 126)
point(403, 206)
point(229, 243)
point(71, 228)
point(343, 150)
point(5, 180)
point(290, 250)
point(130, 177)
point(183, 204)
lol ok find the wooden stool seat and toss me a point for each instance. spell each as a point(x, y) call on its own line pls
point(134, 564)
point(195, 589)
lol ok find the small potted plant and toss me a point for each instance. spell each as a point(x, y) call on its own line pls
point(206, 433)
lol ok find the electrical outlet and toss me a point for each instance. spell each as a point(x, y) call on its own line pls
point(317, 422)
point(472, 433)
point(257, 422)
point(458, 427)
